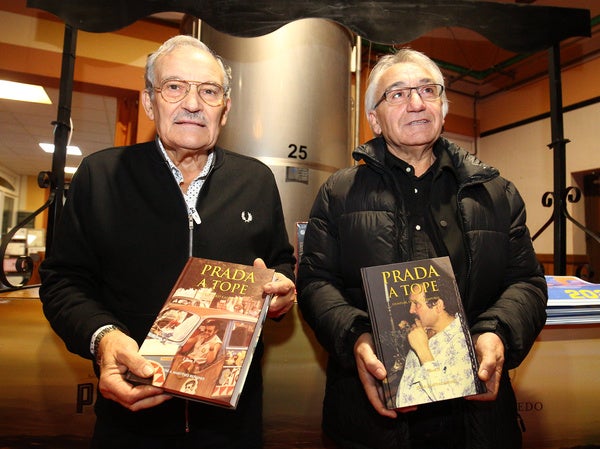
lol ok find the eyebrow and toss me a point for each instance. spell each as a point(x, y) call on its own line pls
point(402, 84)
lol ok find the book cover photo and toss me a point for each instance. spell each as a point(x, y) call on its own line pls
point(203, 339)
point(420, 332)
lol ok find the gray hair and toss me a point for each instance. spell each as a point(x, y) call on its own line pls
point(183, 41)
point(402, 55)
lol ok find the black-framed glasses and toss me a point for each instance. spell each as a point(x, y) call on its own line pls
point(173, 91)
point(401, 95)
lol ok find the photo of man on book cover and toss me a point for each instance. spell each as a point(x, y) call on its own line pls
point(421, 332)
point(438, 365)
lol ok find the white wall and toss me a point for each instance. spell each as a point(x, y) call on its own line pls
point(522, 155)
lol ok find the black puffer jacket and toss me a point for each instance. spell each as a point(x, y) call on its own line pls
point(358, 220)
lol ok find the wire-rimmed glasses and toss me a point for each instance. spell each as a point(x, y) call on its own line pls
point(401, 95)
point(173, 91)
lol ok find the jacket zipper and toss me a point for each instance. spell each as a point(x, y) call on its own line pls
point(187, 416)
point(191, 233)
point(190, 246)
point(193, 216)
point(459, 193)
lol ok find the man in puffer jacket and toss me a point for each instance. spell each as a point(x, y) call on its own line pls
point(417, 195)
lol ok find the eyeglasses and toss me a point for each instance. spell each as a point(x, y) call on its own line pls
point(173, 91)
point(401, 95)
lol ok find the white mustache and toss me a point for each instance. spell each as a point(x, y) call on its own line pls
point(196, 117)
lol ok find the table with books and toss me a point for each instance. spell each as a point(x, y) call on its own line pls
point(557, 385)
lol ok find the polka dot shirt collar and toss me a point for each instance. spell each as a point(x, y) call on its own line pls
point(193, 190)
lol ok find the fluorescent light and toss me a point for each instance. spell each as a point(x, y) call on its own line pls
point(70, 170)
point(71, 149)
point(23, 92)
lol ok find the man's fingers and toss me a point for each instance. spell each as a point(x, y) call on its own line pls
point(259, 263)
point(141, 367)
point(149, 401)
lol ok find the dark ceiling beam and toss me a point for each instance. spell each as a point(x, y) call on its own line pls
point(517, 28)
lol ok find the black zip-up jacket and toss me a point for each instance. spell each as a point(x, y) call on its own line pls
point(357, 220)
point(124, 236)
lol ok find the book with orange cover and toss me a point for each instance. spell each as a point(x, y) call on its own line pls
point(203, 339)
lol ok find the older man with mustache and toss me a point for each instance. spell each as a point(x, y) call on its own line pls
point(132, 218)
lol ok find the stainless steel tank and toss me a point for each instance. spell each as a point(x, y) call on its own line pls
point(291, 108)
point(291, 104)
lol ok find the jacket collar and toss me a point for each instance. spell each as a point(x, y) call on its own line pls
point(218, 152)
point(466, 167)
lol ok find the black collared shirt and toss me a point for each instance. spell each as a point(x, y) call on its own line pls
point(416, 194)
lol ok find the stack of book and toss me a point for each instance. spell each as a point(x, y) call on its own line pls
point(572, 300)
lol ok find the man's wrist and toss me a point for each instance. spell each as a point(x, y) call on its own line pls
point(360, 326)
point(97, 336)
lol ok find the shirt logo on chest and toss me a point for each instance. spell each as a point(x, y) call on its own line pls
point(246, 216)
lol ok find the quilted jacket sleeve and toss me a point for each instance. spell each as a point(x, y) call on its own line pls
point(519, 312)
point(323, 298)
